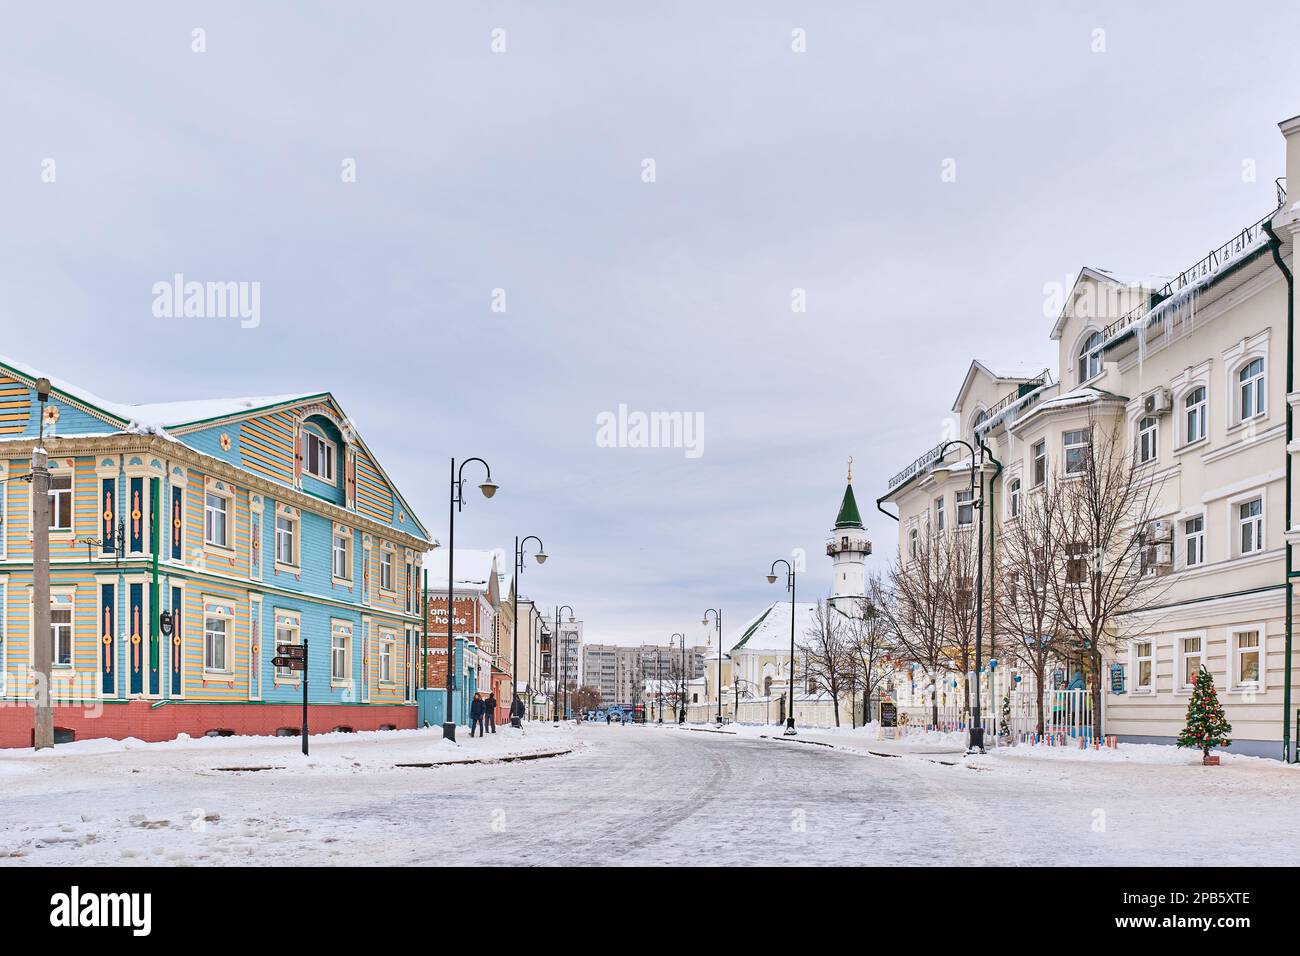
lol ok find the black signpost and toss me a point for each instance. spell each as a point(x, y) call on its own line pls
point(294, 658)
point(888, 714)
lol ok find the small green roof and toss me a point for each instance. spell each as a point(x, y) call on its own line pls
point(848, 516)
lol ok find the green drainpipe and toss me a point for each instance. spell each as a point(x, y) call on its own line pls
point(1274, 245)
point(881, 508)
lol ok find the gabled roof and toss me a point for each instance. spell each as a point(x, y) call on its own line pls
point(163, 418)
point(1010, 373)
point(770, 629)
point(473, 569)
point(1096, 275)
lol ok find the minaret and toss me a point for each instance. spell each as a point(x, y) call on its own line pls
point(848, 548)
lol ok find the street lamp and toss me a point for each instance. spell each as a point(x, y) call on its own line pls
point(659, 686)
point(681, 681)
point(563, 670)
point(789, 586)
point(489, 488)
point(514, 650)
point(717, 614)
point(976, 742)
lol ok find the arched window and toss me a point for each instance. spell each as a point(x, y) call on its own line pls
point(912, 537)
point(980, 417)
point(1090, 358)
point(1195, 405)
point(1251, 394)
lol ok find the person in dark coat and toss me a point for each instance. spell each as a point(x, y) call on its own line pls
point(516, 712)
point(476, 715)
point(490, 712)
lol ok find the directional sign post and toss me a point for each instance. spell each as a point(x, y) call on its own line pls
point(294, 658)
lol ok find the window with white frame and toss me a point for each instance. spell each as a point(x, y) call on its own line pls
point(60, 496)
point(1194, 540)
point(1250, 519)
point(320, 457)
point(387, 657)
point(1144, 666)
point(1190, 658)
point(342, 556)
point(286, 540)
point(1089, 365)
point(288, 630)
point(1013, 497)
point(386, 570)
point(1248, 660)
point(1250, 389)
point(965, 508)
point(216, 520)
point(1194, 406)
point(216, 642)
point(938, 513)
point(61, 629)
point(340, 652)
point(1147, 433)
point(1039, 458)
point(1075, 446)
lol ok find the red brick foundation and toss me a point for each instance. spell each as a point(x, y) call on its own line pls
point(140, 719)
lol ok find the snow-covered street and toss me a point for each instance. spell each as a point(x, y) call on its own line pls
point(630, 795)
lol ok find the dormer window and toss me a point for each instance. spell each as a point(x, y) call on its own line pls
point(320, 457)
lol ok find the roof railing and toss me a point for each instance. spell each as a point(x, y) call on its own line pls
point(1020, 391)
point(923, 463)
point(1214, 260)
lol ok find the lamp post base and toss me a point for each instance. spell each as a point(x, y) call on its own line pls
point(449, 731)
point(976, 745)
point(789, 727)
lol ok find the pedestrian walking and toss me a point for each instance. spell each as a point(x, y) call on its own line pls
point(490, 712)
point(476, 715)
point(516, 712)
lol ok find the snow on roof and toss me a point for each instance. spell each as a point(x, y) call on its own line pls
point(770, 629)
point(473, 569)
point(173, 414)
point(157, 416)
point(1079, 396)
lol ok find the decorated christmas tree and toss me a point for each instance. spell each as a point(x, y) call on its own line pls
point(1206, 726)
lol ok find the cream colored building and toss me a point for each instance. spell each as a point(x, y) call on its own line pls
point(1194, 367)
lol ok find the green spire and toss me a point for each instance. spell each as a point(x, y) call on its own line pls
point(848, 516)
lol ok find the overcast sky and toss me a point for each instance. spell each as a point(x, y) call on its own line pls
point(523, 171)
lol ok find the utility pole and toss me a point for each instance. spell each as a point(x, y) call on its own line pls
point(42, 645)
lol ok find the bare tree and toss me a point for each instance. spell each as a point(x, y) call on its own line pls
point(917, 614)
point(827, 657)
point(1031, 562)
point(868, 636)
point(1108, 503)
point(959, 554)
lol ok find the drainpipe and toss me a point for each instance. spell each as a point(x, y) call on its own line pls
point(1274, 245)
point(881, 508)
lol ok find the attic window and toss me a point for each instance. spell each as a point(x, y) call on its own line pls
point(320, 457)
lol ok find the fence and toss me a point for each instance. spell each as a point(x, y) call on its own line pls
point(1066, 713)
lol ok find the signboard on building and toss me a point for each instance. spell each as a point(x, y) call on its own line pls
point(1117, 678)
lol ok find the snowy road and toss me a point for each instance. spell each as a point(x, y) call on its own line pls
point(650, 795)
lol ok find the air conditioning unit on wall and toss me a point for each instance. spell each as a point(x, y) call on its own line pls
point(1159, 402)
point(1162, 529)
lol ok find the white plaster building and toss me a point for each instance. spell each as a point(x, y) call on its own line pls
point(1194, 368)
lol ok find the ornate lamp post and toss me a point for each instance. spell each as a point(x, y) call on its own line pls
point(976, 742)
point(717, 614)
point(564, 662)
point(789, 586)
point(514, 650)
point(681, 683)
point(489, 488)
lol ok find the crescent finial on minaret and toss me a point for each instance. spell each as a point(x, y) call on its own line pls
point(850, 467)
